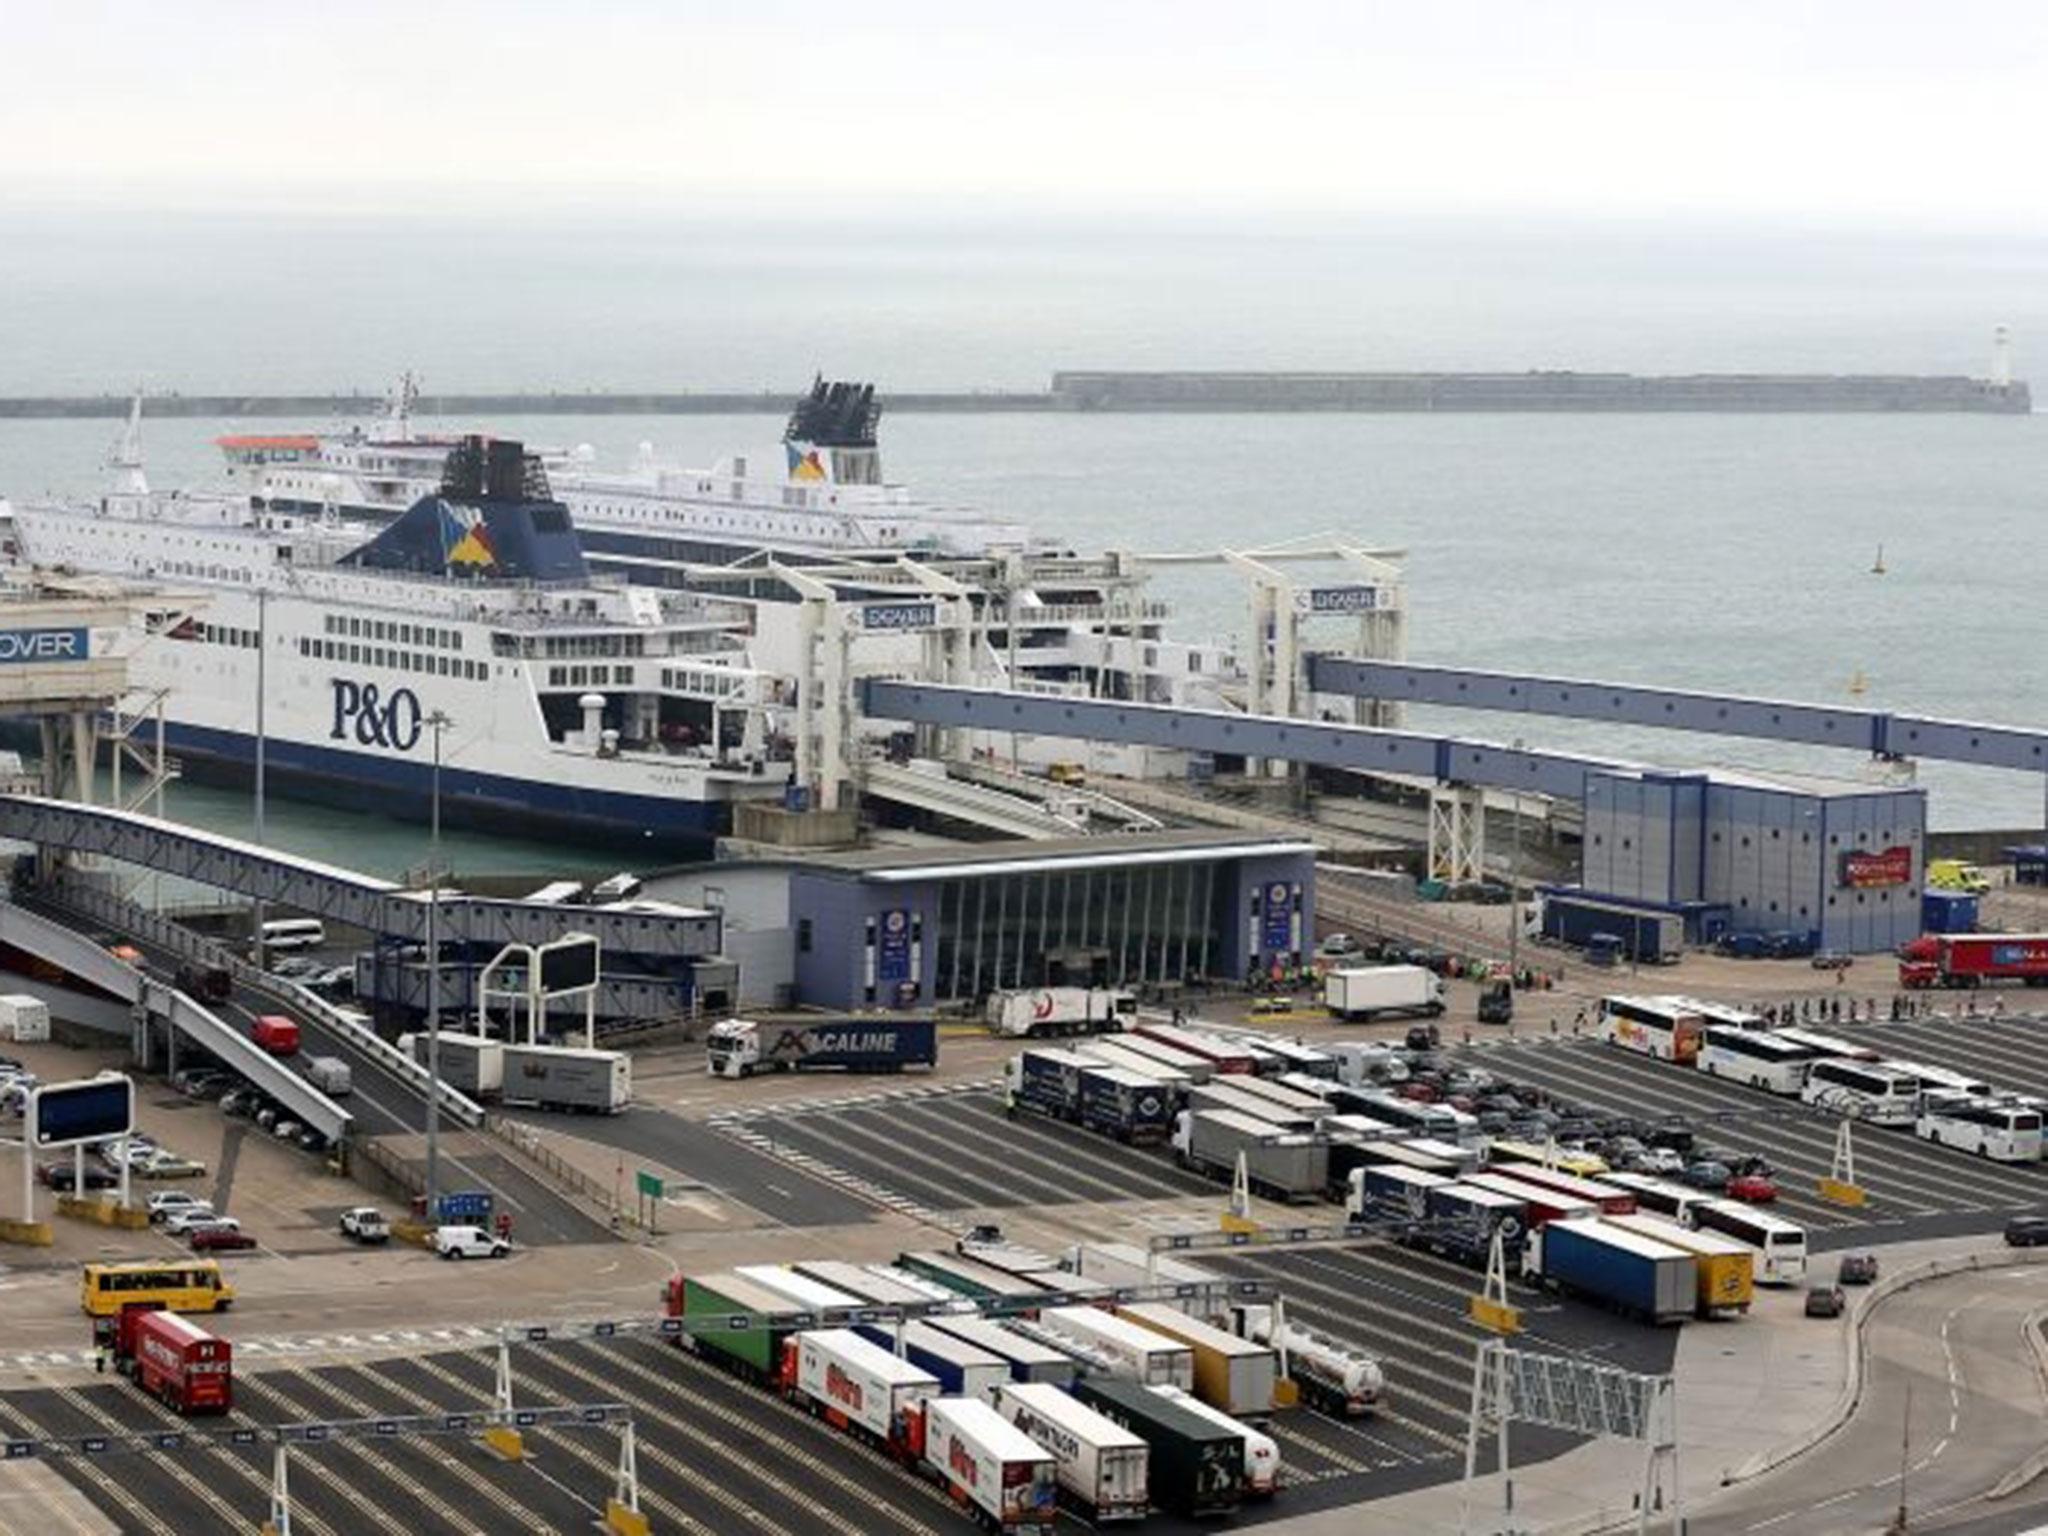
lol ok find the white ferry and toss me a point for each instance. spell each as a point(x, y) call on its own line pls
point(468, 628)
point(830, 497)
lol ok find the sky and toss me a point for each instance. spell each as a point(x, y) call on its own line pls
point(1883, 112)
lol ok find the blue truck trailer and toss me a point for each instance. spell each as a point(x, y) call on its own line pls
point(1046, 1081)
point(741, 1047)
point(962, 1369)
point(1619, 1269)
point(1570, 916)
point(1126, 1104)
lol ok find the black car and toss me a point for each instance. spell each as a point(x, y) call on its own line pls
point(2026, 1232)
point(62, 1176)
point(1856, 1269)
point(1675, 1134)
point(1825, 1301)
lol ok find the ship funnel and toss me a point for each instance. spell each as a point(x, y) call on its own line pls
point(831, 435)
point(2001, 356)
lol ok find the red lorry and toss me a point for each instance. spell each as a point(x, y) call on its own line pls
point(1974, 959)
point(173, 1358)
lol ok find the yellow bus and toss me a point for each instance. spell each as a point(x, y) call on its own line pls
point(186, 1285)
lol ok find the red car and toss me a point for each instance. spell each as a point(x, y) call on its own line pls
point(1420, 1093)
point(220, 1240)
point(1753, 1187)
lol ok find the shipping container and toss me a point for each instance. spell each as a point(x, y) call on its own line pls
point(1621, 1269)
point(859, 1385)
point(568, 1077)
point(1196, 1467)
point(1948, 911)
point(1727, 1268)
point(1236, 1375)
point(1313, 1108)
point(1231, 1093)
point(1103, 1468)
point(1139, 1353)
point(986, 1461)
point(1647, 935)
point(1027, 1358)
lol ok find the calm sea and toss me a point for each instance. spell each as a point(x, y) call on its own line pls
point(1728, 553)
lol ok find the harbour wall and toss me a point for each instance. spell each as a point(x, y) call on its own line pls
point(1112, 390)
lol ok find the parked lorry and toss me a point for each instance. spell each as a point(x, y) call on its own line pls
point(1235, 1374)
point(1974, 959)
point(331, 1075)
point(1046, 1081)
point(1128, 1264)
point(962, 1369)
point(1282, 1165)
point(970, 1277)
point(1370, 991)
point(1261, 1451)
point(24, 1018)
point(1027, 1358)
point(1336, 1377)
point(987, 1462)
point(1462, 1221)
point(1650, 936)
point(1621, 1269)
point(1139, 1353)
point(470, 1064)
point(741, 1047)
point(1228, 1058)
point(711, 1304)
point(1196, 1467)
point(1103, 1468)
point(568, 1077)
point(859, 1386)
point(1541, 1203)
point(175, 1360)
point(1727, 1268)
point(1037, 1011)
point(1118, 1102)
point(1392, 1192)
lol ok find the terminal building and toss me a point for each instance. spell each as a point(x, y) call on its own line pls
point(1836, 860)
point(918, 927)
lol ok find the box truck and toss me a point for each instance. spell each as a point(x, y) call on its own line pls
point(986, 1461)
point(331, 1075)
point(1372, 991)
point(1139, 1353)
point(1620, 1269)
point(1103, 1468)
point(1039, 1011)
point(1196, 1467)
point(1235, 1374)
point(568, 1077)
point(741, 1047)
point(856, 1385)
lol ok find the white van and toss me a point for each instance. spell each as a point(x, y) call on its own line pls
point(469, 1243)
point(294, 933)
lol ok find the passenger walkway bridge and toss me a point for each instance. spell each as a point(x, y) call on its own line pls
point(1878, 732)
point(344, 895)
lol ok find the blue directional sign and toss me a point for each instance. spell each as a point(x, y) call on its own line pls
point(63, 1114)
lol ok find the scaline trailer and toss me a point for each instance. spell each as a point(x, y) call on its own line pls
point(740, 1047)
point(860, 1386)
point(1103, 1468)
point(986, 1461)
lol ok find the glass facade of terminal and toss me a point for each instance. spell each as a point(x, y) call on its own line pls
point(1126, 926)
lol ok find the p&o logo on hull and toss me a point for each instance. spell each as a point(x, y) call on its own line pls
point(364, 712)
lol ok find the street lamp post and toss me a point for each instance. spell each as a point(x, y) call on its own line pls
point(1515, 876)
point(437, 722)
point(262, 656)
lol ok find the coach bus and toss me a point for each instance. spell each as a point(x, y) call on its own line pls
point(1940, 1079)
point(1756, 1058)
point(1722, 1013)
point(1663, 1027)
point(2003, 1130)
point(1828, 1045)
point(1660, 1197)
point(1863, 1090)
point(1779, 1245)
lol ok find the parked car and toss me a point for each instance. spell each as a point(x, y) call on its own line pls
point(205, 1083)
point(1712, 1177)
point(1831, 960)
point(1856, 1269)
point(1753, 1188)
point(1825, 1301)
point(1672, 1132)
point(310, 1140)
point(2026, 1231)
point(219, 1239)
point(469, 1243)
point(366, 1224)
point(160, 1164)
point(1661, 1161)
point(129, 1150)
point(164, 1202)
point(1418, 1091)
point(297, 967)
point(61, 1177)
point(241, 1101)
point(284, 1128)
point(1340, 946)
point(1423, 1037)
point(185, 1218)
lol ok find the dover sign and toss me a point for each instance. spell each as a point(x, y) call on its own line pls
point(22, 645)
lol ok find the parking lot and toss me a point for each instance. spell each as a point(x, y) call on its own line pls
point(1914, 1189)
point(715, 1455)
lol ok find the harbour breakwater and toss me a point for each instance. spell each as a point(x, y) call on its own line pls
point(1561, 391)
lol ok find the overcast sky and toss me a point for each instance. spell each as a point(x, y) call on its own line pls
point(1917, 113)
